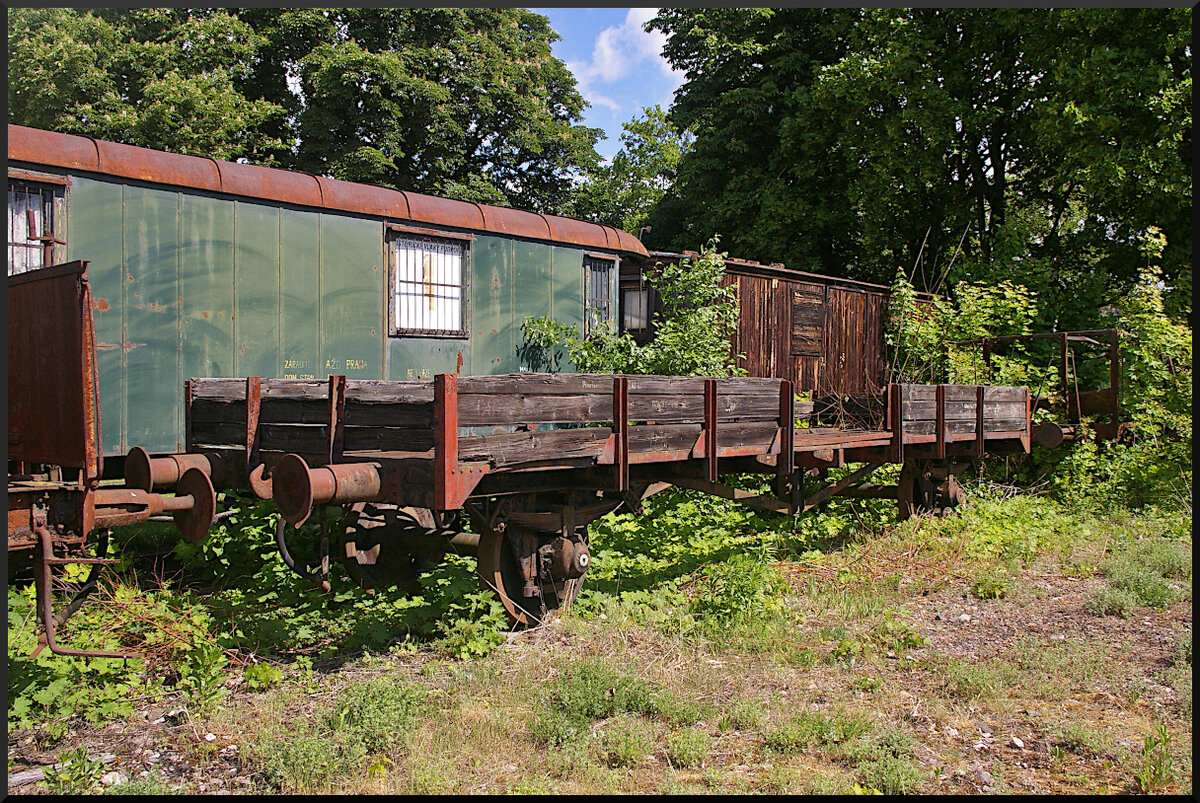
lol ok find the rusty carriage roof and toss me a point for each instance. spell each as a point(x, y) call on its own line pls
point(81, 153)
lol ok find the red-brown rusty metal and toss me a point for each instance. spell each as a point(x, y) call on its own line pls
point(620, 405)
point(253, 407)
point(337, 415)
point(53, 409)
point(44, 580)
point(193, 506)
point(38, 147)
point(162, 473)
point(940, 420)
point(445, 438)
point(895, 401)
point(785, 464)
point(297, 488)
point(980, 427)
point(711, 445)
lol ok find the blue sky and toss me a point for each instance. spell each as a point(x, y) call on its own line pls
point(619, 67)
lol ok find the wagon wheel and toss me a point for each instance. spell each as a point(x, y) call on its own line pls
point(371, 554)
point(499, 570)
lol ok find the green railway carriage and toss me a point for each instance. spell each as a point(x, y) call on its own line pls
point(200, 267)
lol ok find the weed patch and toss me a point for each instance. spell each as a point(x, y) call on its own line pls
point(1144, 574)
point(814, 730)
point(376, 713)
point(688, 747)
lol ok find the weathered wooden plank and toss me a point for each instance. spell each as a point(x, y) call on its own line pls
point(747, 433)
point(275, 437)
point(995, 393)
point(213, 411)
point(384, 439)
point(389, 414)
point(726, 385)
point(961, 411)
point(527, 447)
point(235, 389)
point(957, 427)
point(535, 384)
point(676, 408)
point(359, 389)
point(406, 391)
point(294, 437)
point(273, 410)
point(476, 410)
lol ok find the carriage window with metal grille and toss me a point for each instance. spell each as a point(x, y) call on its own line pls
point(427, 286)
point(598, 315)
point(35, 225)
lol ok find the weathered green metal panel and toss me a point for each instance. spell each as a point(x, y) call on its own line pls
point(494, 332)
point(300, 299)
point(151, 342)
point(196, 285)
point(567, 301)
point(96, 234)
point(532, 281)
point(206, 286)
point(256, 290)
point(424, 357)
point(352, 271)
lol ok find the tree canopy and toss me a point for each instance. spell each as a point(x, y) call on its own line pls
point(467, 103)
point(959, 144)
point(626, 191)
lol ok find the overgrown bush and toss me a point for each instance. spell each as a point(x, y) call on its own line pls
point(691, 338)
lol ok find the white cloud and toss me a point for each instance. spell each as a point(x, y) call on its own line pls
point(620, 51)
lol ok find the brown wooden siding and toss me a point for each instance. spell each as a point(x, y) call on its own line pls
point(824, 334)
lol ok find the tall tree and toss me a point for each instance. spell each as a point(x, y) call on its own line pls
point(1029, 143)
point(624, 192)
point(468, 103)
point(158, 78)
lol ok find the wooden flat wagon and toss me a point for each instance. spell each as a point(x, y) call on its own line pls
point(534, 458)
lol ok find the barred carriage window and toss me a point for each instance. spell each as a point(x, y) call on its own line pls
point(35, 225)
point(427, 286)
point(598, 314)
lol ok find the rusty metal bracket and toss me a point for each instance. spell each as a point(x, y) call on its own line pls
point(452, 482)
point(253, 406)
point(979, 421)
point(710, 429)
point(620, 394)
point(785, 464)
point(896, 421)
point(44, 581)
point(337, 415)
point(940, 420)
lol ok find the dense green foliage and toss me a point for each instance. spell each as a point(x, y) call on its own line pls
point(623, 193)
point(973, 144)
point(691, 335)
point(158, 78)
point(466, 103)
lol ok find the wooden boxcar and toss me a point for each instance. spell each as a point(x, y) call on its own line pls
point(200, 267)
point(823, 333)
